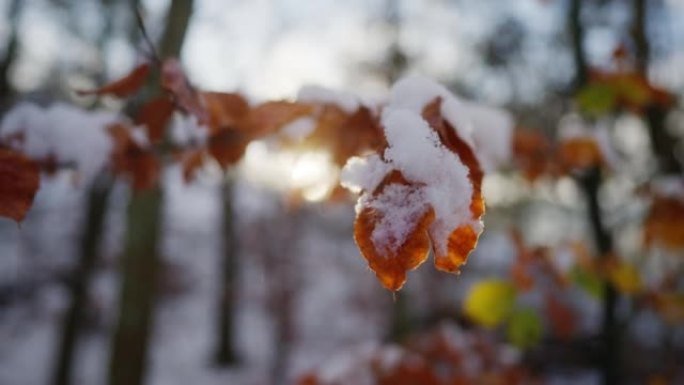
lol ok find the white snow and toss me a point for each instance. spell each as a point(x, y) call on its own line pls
point(400, 208)
point(492, 133)
point(364, 174)
point(72, 135)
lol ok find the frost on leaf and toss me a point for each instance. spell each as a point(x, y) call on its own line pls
point(19, 181)
point(422, 191)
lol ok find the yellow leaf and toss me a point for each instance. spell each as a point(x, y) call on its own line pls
point(626, 278)
point(490, 302)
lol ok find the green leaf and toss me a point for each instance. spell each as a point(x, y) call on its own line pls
point(490, 302)
point(589, 281)
point(524, 328)
point(597, 99)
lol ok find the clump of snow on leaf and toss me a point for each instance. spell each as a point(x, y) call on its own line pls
point(488, 129)
point(70, 135)
point(364, 174)
point(439, 179)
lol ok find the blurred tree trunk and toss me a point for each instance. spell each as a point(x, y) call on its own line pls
point(284, 234)
point(140, 263)
point(228, 289)
point(590, 183)
point(662, 142)
point(11, 51)
point(577, 36)
point(177, 21)
point(80, 281)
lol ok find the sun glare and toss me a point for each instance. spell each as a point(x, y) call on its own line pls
point(310, 173)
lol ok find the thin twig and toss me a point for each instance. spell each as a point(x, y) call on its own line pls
point(146, 37)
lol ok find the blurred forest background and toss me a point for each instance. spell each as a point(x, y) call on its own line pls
point(258, 279)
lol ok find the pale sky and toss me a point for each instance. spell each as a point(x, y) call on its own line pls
point(270, 48)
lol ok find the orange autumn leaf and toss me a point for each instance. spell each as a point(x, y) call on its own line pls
point(633, 90)
point(268, 117)
point(395, 211)
point(225, 110)
point(531, 152)
point(579, 153)
point(155, 115)
point(125, 86)
point(664, 224)
point(390, 261)
point(19, 182)
point(360, 132)
point(345, 135)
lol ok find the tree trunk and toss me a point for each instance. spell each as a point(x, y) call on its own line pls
point(80, 281)
point(662, 142)
point(642, 53)
point(228, 290)
point(577, 36)
point(140, 263)
point(177, 22)
point(128, 361)
point(590, 184)
point(6, 90)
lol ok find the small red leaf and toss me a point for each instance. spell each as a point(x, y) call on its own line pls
point(19, 181)
point(125, 86)
point(227, 147)
point(155, 115)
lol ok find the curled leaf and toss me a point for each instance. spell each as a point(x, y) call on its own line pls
point(464, 238)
